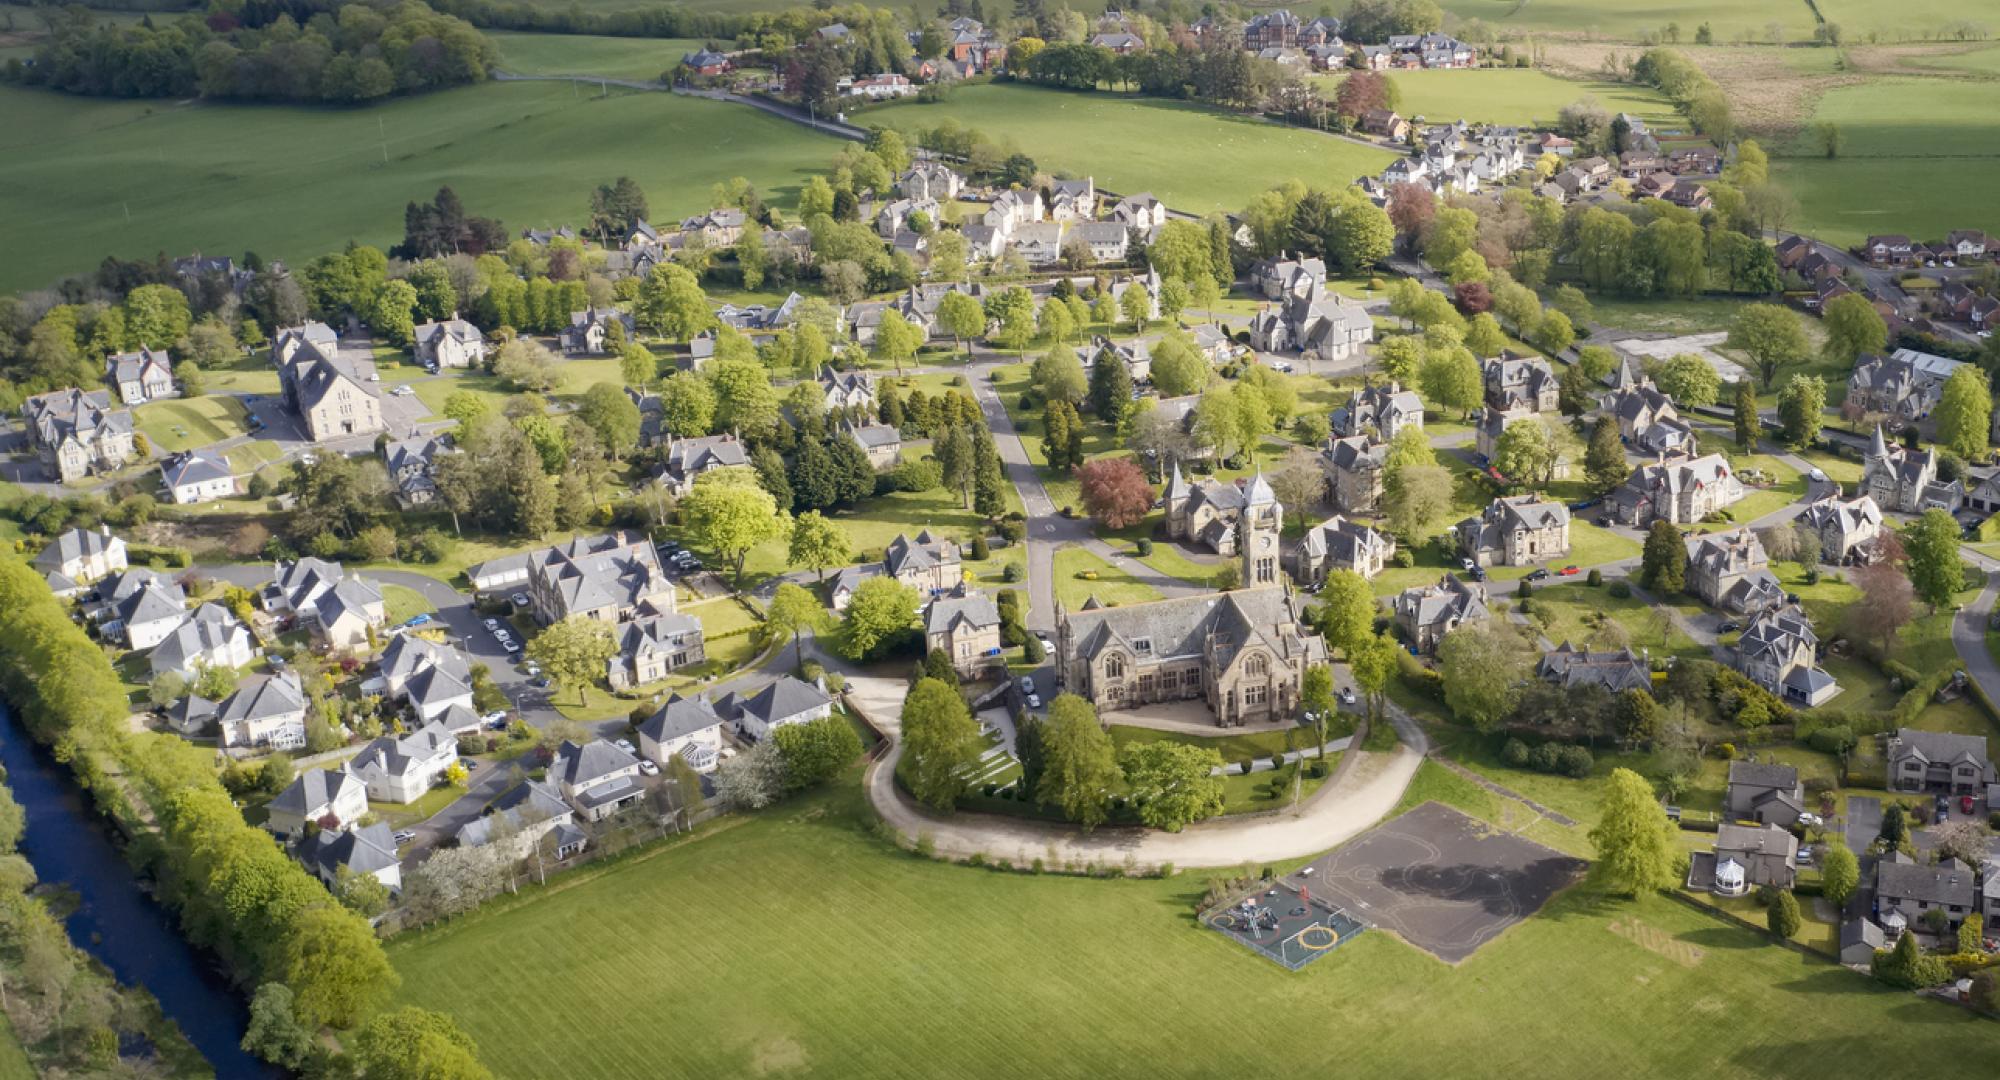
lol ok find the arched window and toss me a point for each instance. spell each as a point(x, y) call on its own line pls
point(1114, 667)
point(1257, 667)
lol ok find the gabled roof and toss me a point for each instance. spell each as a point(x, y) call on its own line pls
point(75, 544)
point(194, 467)
point(578, 766)
point(261, 697)
point(679, 718)
point(313, 789)
point(1763, 775)
point(1950, 882)
point(402, 756)
point(974, 611)
point(785, 698)
point(1938, 747)
point(363, 851)
point(206, 630)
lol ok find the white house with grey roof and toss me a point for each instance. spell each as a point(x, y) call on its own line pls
point(141, 376)
point(265, 710)
point(589, 329)
point(688, 726)
point(1427, 613)
point(526, 813)
point(787, 701)
point(209, 636)
point(412, 465)
point(1340, 543)
point(597, 778)
point(333, 798)
point(140, 608)
point(688, 459)
point(77, 557)
point(400, 769)
point(1516, 531)
point(451, 343)
point(431, 677)
point(197, 476)
point(881, 442)
point(1938, 761)
point(370, 850)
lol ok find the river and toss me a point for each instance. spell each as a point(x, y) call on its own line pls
point(117, 922)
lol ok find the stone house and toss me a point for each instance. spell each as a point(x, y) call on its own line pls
point(1340, 544)
point(77, 433)
point(1427, 613)
point(1379, 410)
point(1938, 761)
point(412, 465)
point(1769, 794)
point(930, 180)
point(1730, 571)
point(688, 459)
point(589, 330)
point(1682, 492)
point(929, 564)
point(1318, 324)
point(1281, 277)
point(652, 647)
point(333, 393)
point(1516, 531)
point(1520, 382)
point(847, 389)
point(1779, 652)
point(611, 577)
point(1903, 480)
point(1846, 528)
point(881, 442)
point(1204, 512)
point(453, 343)
point(1353, 469)
point(142, 376)
point(1904, 387)
point(967, 629)
point(1616, 670)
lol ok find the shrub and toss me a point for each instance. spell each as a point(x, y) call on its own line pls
point(1316, 769)
point(1145, 547)
point(1838, 739)
point(1014, 573)
point(979, 549)
point(987, 790)
point(1726, 751)
point(1621, 590)
point(1524, 590)
point(1248, 764)
point(1543, 758)
point(1514, 753)
point(1594, 579)
point(1575, 762)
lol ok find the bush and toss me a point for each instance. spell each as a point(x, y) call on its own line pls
point(1248, 764)
point(1316, 769)
point(1575, 762)
point(1145, 547)
point(1524, 590)
point(1014, 573)
point(1594, 579)
point(1838, 739)
point(980, 551)
point(1544, 758)
point(1726, 751)
point(1515, 753)
point(1014, 530)
point(1621, 590)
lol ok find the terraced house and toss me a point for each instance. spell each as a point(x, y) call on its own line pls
point(76, 433)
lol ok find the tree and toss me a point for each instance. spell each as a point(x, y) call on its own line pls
point(527, 364)
point(1747, 422)
point(815, 751)
point(416, 1044)
point(879, 610)
point(615, 208)
point(1604, 461)
point(1853, 327)
point(730, 514)
point(1137, 306)
point(1415, 497)
point(1525, 452)
point(1554, 332)
point(1345, 614)
point(1691, 381)
point(1962, 840)
point(751, 781)
point(1373, 665)
point(1887, 604)
point(1971, 934)
point(337, 972)
point(1783, 916)
point(1058, 375)
point(1483, 664)
point(1300, 482)
point(1173, 784)
point(1931, 544)
point(574, 652)
point(1079, 762)
point(956, 459)
point(1638, 849)
point(672, 304)
point(795, 610)
point(1110, 387)
point(1115, 491)
point(612, 414)
point(1772, 336)
point(1839, 873)
point(1802, 409)
point(274, 1034)
point(1964, 413)
point(817, 543)
point(391, 312)
point(1663, 566)
point(687, 405)
point(942, 740)
point(962, 317)
point(1906, 967)
point(1178, 367)
point(1450, 379)
point(156, 316)
point(1894, 829)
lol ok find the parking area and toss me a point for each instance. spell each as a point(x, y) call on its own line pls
point(1444, 882)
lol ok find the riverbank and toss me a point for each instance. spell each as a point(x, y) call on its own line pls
point(87, 958)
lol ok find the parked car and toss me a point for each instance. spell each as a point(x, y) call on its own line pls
point(1811, 820)
point(1569, 571)
point(418, 619)
point(493, 625)
point(1478, 573)
point(626, 745)
point(1048, 646)
point(404, 836)
point(531, 669)
point(1540, 573)
point(1034, 701)
point(520, 599)
point(1347, 695)
point(1467, 564)
point(1818, 475)
point(647, 767)
point(496, 719)
point(1728, 626)
point(541, 683)
point(1027, 685)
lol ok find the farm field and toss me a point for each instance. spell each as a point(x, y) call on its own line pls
point(1514, 96)
point(1915, 20)
point(1626, 20)
point(82, 178)
point(815, 973)
point(580, 54)
point(1132, 144)
point(1980, 61)
point(1891, 125)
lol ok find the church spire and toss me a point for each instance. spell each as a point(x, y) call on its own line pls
point(1879, 447)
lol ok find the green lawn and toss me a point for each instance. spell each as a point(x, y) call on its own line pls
point(181, 423)
point(581, 54)
point(427, 805)
point(1513, 96)
point(1629, 20)
point(1569, 605)
point(1695, 316)
point(846, 977)
point(402, 603)
point(81, 178)
point(1132, 144)
point(1888, 123)
point(870, 528)
point(1110, 585)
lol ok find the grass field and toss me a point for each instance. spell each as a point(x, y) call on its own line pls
point(1173, 149)
point(402, 603)
point(1922, 157)
point(579, 54)
point(838, 953)
point(1514, 96)
point(1111, 585)
point(179, 423)
point(82, 178)
point(1627, 20)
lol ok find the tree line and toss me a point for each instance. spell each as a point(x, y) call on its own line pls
point(345, 55)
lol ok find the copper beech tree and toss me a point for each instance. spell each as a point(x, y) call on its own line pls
point(1115, 491)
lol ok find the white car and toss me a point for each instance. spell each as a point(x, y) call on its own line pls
point(404, 390)
point(1811, 821)
point(649, 768)
point(495, 719)
point(1347, 695)
point(1048, 646)
point(1027, 685)
point(493, 625)
point(626, 745)
point(1034, 701)
point(1818, 475)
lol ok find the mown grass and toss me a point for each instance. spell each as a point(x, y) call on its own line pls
point(178, 424)
point(582, 54)
point(1513, 96)
point(837, 951)
point(1109, 584)
point(83, 178)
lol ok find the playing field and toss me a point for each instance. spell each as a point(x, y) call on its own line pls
point(1627, 20)
point(577, 54)
point(1922, 157)
point(803, 947)
point(180, 423)
point(82, 178)
point(1515, 96)
point(1197, 159)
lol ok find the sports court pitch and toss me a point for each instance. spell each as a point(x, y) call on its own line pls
point(1284, 922)
point(1440, 880)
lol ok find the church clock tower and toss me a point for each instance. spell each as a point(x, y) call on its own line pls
point(1257, 533)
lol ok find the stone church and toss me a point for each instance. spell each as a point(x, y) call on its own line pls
point(1244, 652)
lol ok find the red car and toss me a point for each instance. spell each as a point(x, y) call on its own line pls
point(1965, 804)
point(1568, 571)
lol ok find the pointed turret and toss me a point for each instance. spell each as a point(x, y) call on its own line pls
point(1260, 492)
point(1878, 447)
point(1177, 485)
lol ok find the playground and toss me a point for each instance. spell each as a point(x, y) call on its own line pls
point(1444, 882)
point(1285, 923)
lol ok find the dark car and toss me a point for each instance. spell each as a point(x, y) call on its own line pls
point(1541, 574)
point(1478, 573)
point(1728, 626)
point(1943, 809)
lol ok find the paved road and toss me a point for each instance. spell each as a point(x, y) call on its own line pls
point(1968, 629)
point(1864, 822)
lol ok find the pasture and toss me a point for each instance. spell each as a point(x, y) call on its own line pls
point(1196, 159)
point(84, 178)
point(1514, 96)
point(1628, 20)
point(830, 954)
point(579, 54)
point(1922, 157)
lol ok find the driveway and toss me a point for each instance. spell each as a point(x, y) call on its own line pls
point(1864, 822)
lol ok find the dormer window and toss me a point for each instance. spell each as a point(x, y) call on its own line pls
point(1143, 646)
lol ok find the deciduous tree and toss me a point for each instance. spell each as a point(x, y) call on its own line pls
point(1772, 336)
point(815, 751)
point(730, 513)
point(880, 609)
point(1964, 413)
point(1079, 762)
point(1802, 409)
point(1853, 327)
point(1173, 783)
point(1638, 849)
point(574, 652)
point(1484, 664)
point(1931, 543)
point(942, 740)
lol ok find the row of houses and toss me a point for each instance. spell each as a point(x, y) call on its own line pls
point(1898, 250)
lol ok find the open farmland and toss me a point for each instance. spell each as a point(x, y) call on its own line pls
point(1629, 20)
point(1514, 96)
point(579, 54)
point(83, 178)
point(1196, 159)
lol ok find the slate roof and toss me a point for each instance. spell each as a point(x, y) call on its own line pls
point(457, 329)
point(782, 699)
point(1762, 774)
point(531, 800)
point(1616, 670)
point(576, 766)
point(1185, 626)
point(873, 436)
point(260, 697)
point(363, 851)
point(591, 572)
point(63, 414)
point(1343, 539)
point(400, 756)
point(689, 458)
point(1937, 747)
point(1756, 840)
point(133, 366)
point(194, 467)
point(208, 629)
point(924, 552)
point(312, 789)
point(1779, 631)
point(679, 718)
point(975, 611)
point(1449, 599)
point(1950, 882)
point(73, 545)
point(1355, 452)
